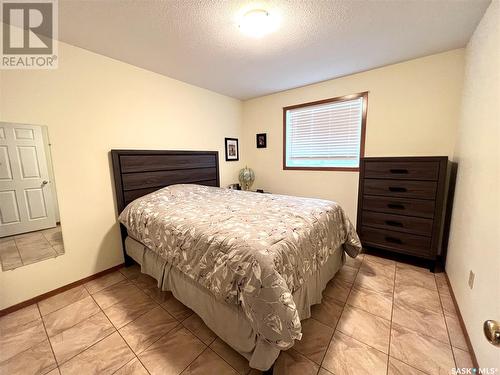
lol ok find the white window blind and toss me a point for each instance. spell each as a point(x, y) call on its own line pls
point(324, 135)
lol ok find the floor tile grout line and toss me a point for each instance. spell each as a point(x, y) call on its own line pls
point(190, 363)
point(69, 304)
point(375, 274)
point(392, 316)
point(368, 312)
point(179, 322)
point(24, 350)
point(221, 357)
point(38, 260)
point(425, 334)
point(46, 239)
point(447, 328)
point(414, 305)
point(390, 333)
point(50, 243)
point(432, 290)
point(433, 338)
point(103, 289)
point(360, 308)
point(426, 337)
point(107, 287)
point(424, 287)
point(91, 316)
point(376, 261)
point(115, 330)
point(336, 327)
point(126, 363)
point(87, 348)
point(133, 352)
point(158, 303)
point(422, 334)
point(48, 339)
point(92, 295)
point(29, 321)
point(139, 316)
point(195, 333)
point(73, 325)
point(17, 248)
point(133, 320)
point(394, 302)
point(19, 255)
point(340, 317)
point(407, 364)
point(159, 338)
point(362, 342)
point(118, 329)
point(446, 292)
point(302, 355)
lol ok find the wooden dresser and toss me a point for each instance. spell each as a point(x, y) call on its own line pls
point(401, 204)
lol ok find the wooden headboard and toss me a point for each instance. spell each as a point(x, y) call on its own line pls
point(140, 172)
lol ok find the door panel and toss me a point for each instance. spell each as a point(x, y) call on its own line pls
point(28, 160)
point(27, 203)
point(5, 170)
point(22, 133)
point(35, 202)
point(9, 208)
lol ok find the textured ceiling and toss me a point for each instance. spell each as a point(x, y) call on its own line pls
point(199, 42)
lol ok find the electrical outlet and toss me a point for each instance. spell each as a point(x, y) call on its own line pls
point(471, 279)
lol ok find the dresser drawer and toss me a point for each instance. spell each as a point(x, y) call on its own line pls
point(401, 242)
point(402, 170)
point(406, 224)
point(399, 206)
point(401, 188)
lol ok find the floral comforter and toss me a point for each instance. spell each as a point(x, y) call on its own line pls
point(247, 248)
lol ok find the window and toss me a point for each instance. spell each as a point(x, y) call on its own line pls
point(325, 135)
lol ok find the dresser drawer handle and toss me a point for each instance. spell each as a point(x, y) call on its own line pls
point(396, 206)
point(397, 189)
point(399, 171)
point(393, 240)
point(393, 223)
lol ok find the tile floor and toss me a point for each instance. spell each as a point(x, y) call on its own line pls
point(22, 249)
point(377, 317)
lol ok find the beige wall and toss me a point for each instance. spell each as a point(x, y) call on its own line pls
point(475, 231)
point(413, 110)
point(92, 104)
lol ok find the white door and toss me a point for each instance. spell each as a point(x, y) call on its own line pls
point(26, 201)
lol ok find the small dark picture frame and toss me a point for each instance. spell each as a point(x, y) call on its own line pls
point(232, 149)
point(261, 140)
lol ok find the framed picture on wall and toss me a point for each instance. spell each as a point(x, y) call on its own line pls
point(261, 140)
point(232, 151)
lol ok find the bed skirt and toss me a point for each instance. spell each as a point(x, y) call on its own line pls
point(225, 320)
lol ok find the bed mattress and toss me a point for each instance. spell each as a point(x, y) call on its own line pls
point(248, 249)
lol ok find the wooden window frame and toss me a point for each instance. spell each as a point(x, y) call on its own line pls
point(363, 95)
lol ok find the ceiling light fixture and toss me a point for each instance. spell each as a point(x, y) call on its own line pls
point(258, 22)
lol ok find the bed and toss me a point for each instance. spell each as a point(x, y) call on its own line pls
point(250, 265)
